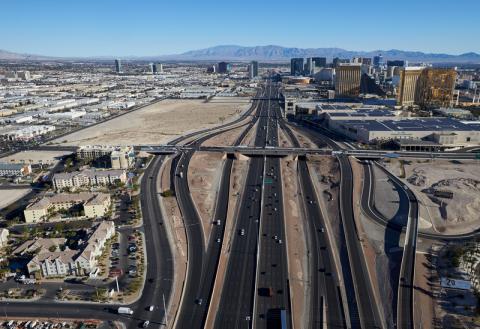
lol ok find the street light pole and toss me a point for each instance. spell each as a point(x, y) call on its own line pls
point(165, 310)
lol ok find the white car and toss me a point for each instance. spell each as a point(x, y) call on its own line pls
point(151, 308)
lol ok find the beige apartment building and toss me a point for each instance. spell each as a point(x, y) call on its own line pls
point(94, 205)
point(120, 157)
point(73, 262)
point(88, 177)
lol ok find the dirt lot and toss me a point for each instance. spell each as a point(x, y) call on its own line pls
point(33, 157)
point(8, 197)
point(283, 140)
point(158, 123)
point(204, 175)
point(296, 242)
point(449, 216)
point(227, 138)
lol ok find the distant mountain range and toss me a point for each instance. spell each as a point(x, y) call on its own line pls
point(275, 53)
point(278, 53)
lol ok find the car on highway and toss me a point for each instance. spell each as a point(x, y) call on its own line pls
point(199, 301)
point(242, 231)
point(145, 324)
point(219, 240)
point(151, 308)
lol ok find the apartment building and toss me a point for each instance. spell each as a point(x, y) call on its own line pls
point(119, 157)
point(73, 262)
point(14, 169)
point(94, 205)
point(88, 177)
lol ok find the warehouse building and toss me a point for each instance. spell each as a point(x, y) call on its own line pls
point(446, 132)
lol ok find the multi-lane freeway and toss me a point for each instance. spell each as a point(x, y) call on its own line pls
point(256, 287)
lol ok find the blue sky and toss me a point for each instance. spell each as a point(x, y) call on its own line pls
point(143, 28)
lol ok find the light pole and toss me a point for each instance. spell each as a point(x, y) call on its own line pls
point(165, 310)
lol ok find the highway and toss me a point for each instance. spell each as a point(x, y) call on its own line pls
point(326, 306)
point(203, 256)
point(405, 311)
point(409, 208)
point(256, 278)
point(272, 283)
point(363, 309)
point(236, 301)
point(369, 314)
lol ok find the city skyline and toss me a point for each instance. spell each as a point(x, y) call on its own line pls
point(150, 29)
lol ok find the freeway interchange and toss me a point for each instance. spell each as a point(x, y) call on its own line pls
point(256, 291)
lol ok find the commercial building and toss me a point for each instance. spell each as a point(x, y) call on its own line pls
point(454, 113)
point(436, 86)
point(253, 69)
point(445, 132)
point(224, 67)
point(158, 68)
point(319, 62)
point(14, 169)
point(400, 63)
point(118, 66)
point(347, 80)
point(25, 133)
point(296, 66)
point(407, 91)
point(73, 262)
point(94, 205)
point(88, 177)
point(426, 87)
point(308, 66)
point(378, 60)
point(337, 61)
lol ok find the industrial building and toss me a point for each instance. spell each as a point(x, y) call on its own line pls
point(25, 133)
